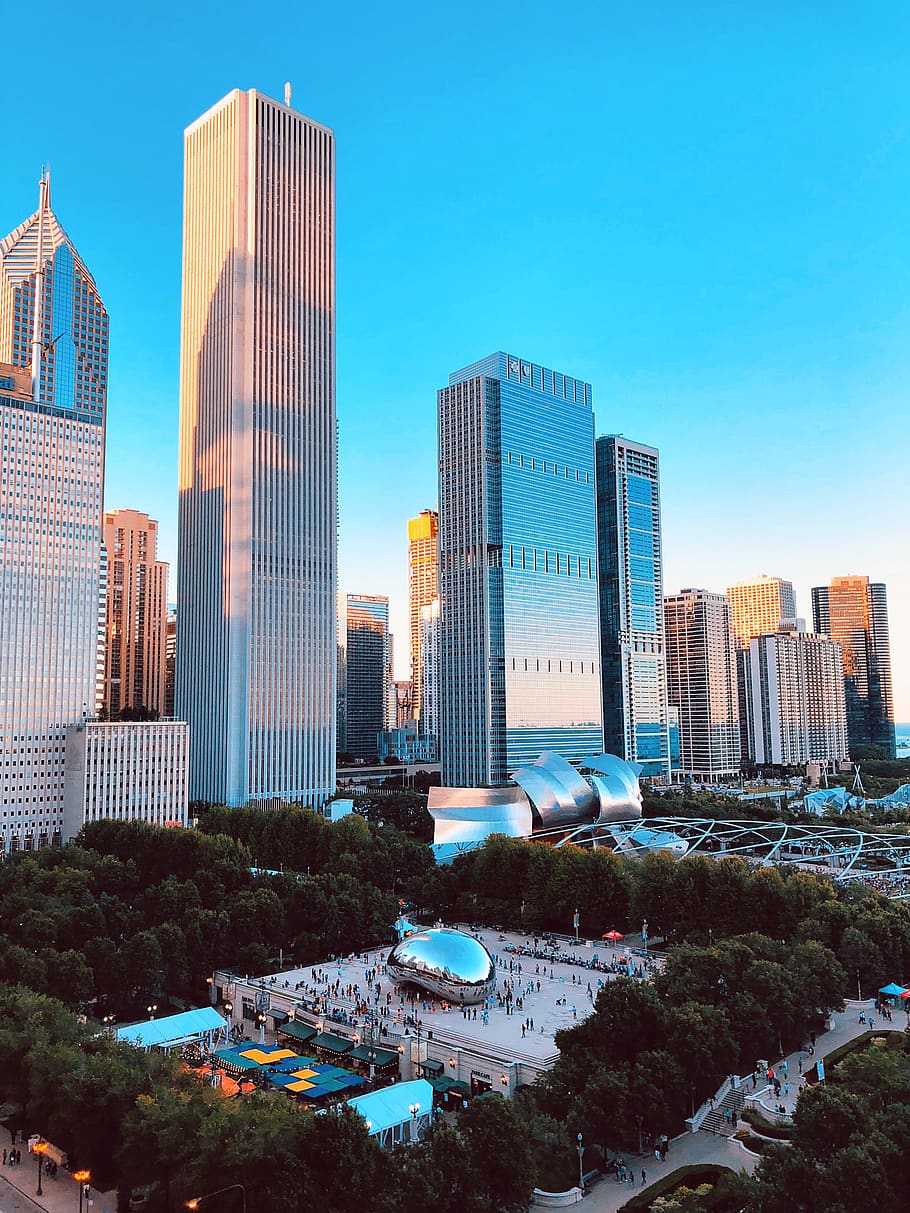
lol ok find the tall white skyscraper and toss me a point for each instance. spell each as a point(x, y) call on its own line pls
point(258, 478)
point(53, 393)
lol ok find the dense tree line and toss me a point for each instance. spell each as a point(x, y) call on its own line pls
point(849, 1146)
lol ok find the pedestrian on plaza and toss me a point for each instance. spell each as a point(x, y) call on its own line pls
point(4, 1157)
point(657, 1152)
point(644, 1177)
point(18, 1156)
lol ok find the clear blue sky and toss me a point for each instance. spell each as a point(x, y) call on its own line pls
point(702, 209)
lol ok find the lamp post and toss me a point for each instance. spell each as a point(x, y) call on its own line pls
point(39, 1148)
point(83, 1179)
point(575, 922)
point(414, 1109)
point(581, 1168)
point(195, 1202)
point(108, 1024)
point(260, 1019)
point(644, 934)
point(152, 1008)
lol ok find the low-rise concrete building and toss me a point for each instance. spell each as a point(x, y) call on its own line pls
point(134, 771)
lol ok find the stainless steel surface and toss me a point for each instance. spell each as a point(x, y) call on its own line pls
point(445, 962)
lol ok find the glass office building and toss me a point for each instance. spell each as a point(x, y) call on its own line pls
point(854, 612)
point(519, 662)
point(53, 389)
point(366, 664)
point(631, 605)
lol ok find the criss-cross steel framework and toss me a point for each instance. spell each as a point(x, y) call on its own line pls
point(840, 852)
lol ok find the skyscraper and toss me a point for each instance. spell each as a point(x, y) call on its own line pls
point(761, 604)
point(53, 395)
point(854, 612)
point(519, 663)
point(757, 605)
point(795, 684)
point(257, 560)
point(423, 588)
point(368, 686)
point(429, 676)
point(631, 604)
point(136, 619)
point(701, 682)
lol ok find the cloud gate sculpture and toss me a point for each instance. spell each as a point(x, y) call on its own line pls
point(448, 963)
point(550, 794)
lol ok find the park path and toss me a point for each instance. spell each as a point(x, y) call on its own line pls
point(18, 1192)
point(608, 1195)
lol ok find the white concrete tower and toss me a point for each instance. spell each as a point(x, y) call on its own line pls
point(258, 478)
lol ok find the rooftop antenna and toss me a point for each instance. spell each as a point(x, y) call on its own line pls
point(287, 93)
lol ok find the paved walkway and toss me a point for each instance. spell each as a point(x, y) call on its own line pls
point(18, 1192)
point(608, 1195)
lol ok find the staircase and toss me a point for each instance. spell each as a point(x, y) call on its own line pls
point(717, 1120)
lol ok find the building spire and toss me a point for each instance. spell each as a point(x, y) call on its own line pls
point(44, 195)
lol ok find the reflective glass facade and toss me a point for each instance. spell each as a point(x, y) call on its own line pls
point(366, 666)
point(854, 612)
point(631, 604)
point(517, 570)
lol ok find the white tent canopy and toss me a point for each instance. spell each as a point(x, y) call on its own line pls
point(388, 1111)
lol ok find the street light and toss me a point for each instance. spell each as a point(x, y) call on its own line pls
point(195, 1202)
point(260, 1019)
point(40, 1148)
point(108, 1022)
point(581, 1169)
point(152, 1008)
point(83, 1179)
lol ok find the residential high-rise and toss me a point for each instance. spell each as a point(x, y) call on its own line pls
point(519, 662)
point(757, 605)
point(854, 612)
point(135, 664)
point(53, 395)
point(257, 558)
point(701, 682)
point(795, 684)
point(760, 604)
point(631, 604)
point(423, 588)
point(368, 686)
point(429, 675)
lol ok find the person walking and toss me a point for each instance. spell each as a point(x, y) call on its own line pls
point(644, 1177)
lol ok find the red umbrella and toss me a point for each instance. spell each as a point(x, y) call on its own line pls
point(906, 994)
point(614, 935)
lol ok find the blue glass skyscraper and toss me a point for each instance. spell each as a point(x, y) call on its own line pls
point(631, 604)
point(519, 662)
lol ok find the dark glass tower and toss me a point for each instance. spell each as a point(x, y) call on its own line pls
point(854, 612)
point(631, 604)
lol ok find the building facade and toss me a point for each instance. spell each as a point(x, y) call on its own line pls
point(429, 673)
point(757, 605)
point(135, 662)
point(368, 686)
point(423, 588)
point(258, 460)
point(519, 661)
point(630, 562)
point(795, 684)
point(127, 771)
point(854, 612)
point(170, 662)
point(53, 395)
point(701, 683)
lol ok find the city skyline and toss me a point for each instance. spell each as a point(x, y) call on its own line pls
point(760, 282)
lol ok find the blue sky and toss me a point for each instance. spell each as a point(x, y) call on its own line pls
point(702, 209)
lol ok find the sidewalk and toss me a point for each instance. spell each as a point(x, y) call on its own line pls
point(60, 1195)
point(607, 1196)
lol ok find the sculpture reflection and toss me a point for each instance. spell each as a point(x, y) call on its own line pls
point(445, 962)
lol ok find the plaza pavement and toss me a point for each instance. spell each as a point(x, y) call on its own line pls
point(562, 999)
point(607, 1195)
point(61, 1195)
